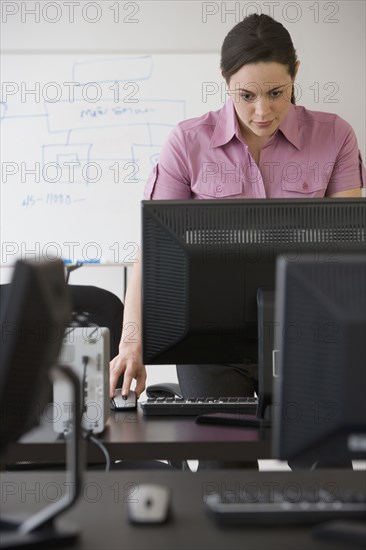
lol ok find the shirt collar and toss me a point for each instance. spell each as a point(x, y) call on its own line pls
point(290, 127)
point(227, 126)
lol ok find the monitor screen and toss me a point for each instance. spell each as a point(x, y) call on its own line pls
point(319, 407)
point(34, 311)
point(205, 260)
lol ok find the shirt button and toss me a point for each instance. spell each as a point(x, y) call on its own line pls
point(219, 188)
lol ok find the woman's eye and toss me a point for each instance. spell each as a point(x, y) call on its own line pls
point(247, 97)
point(276, 93)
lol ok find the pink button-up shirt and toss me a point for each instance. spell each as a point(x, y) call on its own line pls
point(311, 154)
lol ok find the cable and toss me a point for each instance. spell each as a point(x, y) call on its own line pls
point(85, 360)
point(88, 435)
point(102, 447)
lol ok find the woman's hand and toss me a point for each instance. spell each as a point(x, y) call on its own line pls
point(129, 363)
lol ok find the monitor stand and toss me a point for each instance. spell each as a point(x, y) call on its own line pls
point(262, 419)
point(39, 529)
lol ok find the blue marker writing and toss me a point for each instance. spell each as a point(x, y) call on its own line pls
point(94, 261)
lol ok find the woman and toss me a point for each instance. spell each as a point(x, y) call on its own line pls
point(258, 145)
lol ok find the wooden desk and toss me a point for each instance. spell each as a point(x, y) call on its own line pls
point(129, 435)
point(101, 512)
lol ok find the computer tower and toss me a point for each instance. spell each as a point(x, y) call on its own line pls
point(86, 351)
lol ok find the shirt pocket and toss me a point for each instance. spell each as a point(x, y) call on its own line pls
point(150, 183)
point(217, 189)
point(309, 184)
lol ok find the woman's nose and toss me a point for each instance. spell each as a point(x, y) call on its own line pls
point(262, 106)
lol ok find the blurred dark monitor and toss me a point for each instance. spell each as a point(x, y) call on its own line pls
point(319, 408)
point(34, 312)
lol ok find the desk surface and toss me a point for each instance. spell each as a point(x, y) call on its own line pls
point(101, 513)
point(131, 436)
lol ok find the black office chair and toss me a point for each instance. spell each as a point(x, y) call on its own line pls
point(91, 306)
point(94, 306)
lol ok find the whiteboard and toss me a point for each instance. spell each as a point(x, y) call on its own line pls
point(80, 137)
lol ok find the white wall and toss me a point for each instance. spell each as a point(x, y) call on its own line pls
point(329, 38)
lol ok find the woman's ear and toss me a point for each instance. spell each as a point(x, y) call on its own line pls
point(297, 65)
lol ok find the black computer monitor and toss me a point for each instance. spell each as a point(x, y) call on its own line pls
point(34, 311)
point(204, 261)
point(208, 274)
point(319, 392)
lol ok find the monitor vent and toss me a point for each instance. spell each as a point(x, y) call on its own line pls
point(259, 222)
point(164, 313)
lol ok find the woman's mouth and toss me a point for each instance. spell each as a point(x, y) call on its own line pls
point(263, 124)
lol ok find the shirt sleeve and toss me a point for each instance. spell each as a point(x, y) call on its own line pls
point(170, 178)
point(348, 171)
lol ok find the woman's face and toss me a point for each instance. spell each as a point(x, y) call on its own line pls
point(261, 94)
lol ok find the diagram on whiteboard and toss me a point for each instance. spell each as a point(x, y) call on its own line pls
point(80, 136)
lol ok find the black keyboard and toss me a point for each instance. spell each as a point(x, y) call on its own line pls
point(176, 406)
point(230, 508)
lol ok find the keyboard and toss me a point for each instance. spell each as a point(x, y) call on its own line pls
point(230, 508)
point(176, 406)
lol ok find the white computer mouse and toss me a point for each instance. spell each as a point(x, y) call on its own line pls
point(150, 504)
point(117, 403)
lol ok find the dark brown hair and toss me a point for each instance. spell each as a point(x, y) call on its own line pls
point(258, 38)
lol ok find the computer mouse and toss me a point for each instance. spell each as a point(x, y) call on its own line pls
point(150, 504)
point(117, 403)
